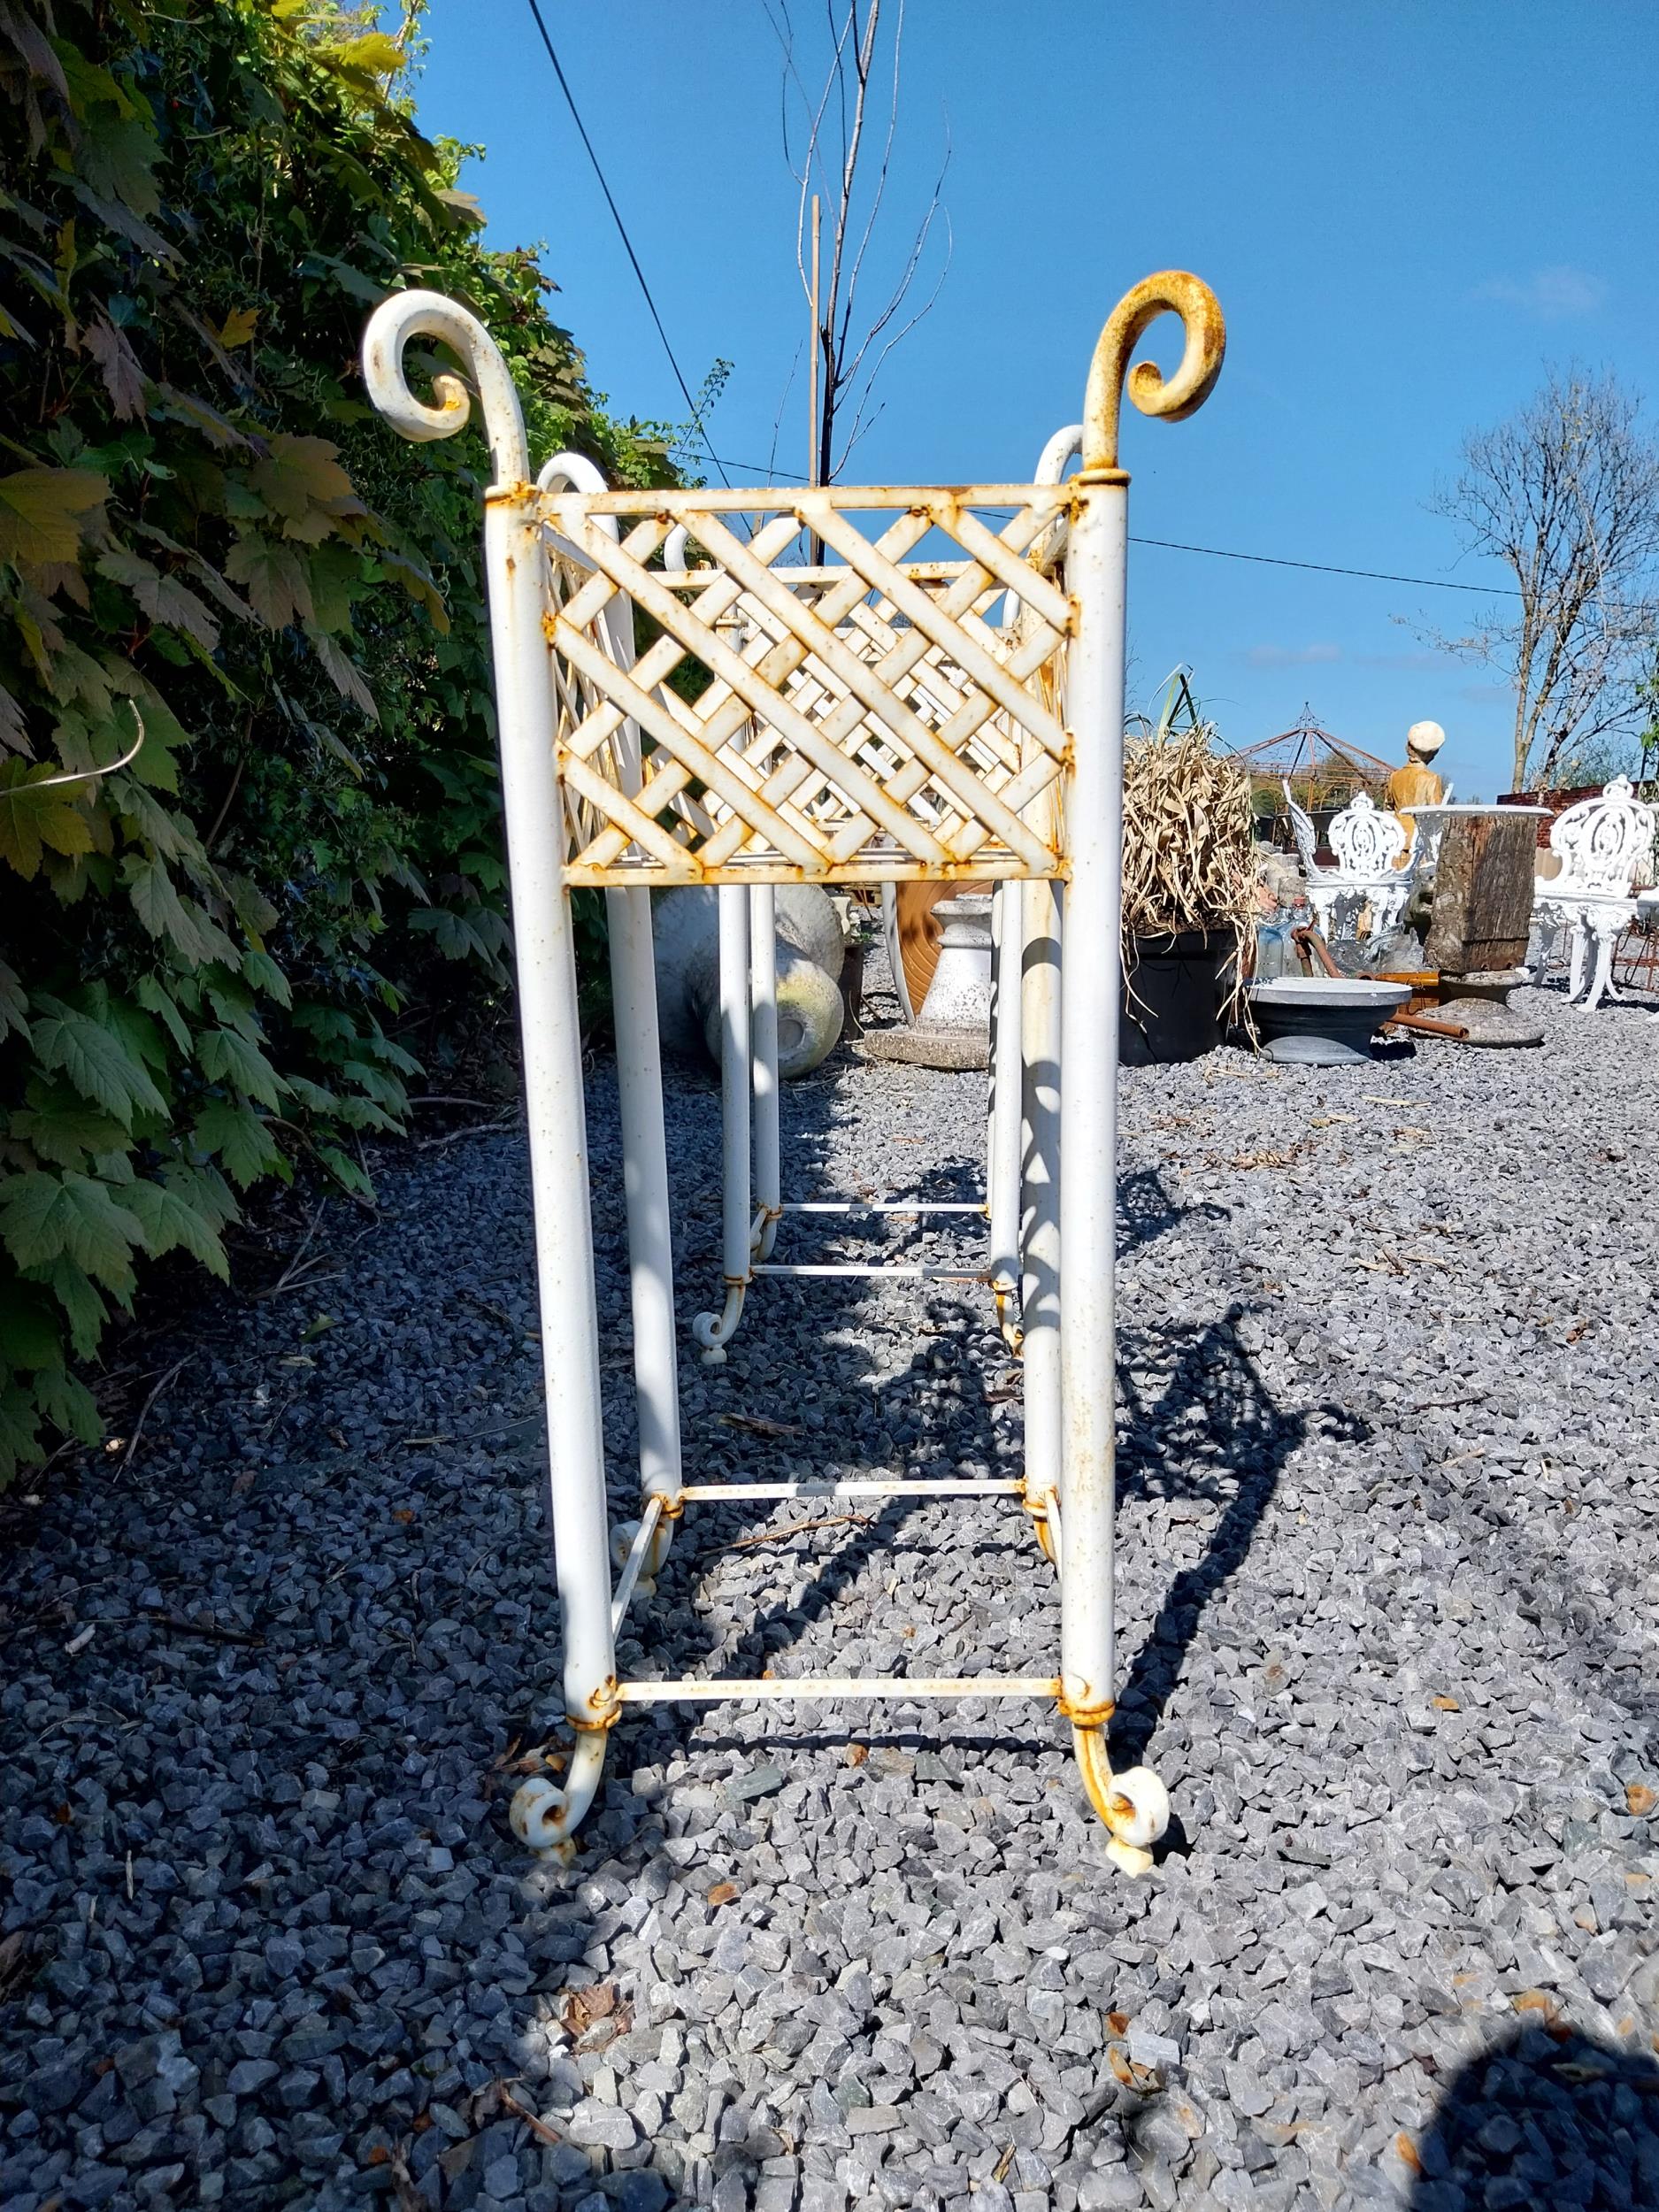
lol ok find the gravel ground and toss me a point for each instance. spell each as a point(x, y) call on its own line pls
point(1390, 1467)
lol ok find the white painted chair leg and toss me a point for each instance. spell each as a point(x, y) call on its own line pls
point(1575, 961)
point(1602, 977)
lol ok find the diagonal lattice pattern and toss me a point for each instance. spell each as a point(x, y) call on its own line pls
point(868, 717)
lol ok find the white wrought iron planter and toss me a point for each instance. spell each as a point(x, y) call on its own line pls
point(1006, 766)
point(748, 1027)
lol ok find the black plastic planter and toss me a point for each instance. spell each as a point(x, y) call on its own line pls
point(1174, 989)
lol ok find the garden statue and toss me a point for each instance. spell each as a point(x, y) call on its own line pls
point(1416, 784)
point(811, 948)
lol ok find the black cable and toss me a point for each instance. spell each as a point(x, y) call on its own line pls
point(1326, 568)
point(627, 242)
point(1215, 552)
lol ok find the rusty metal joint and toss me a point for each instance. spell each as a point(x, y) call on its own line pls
point(1088, 1717)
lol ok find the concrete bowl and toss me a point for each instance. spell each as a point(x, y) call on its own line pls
point(1322, 1021)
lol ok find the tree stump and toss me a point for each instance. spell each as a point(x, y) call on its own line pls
point(1483, 894)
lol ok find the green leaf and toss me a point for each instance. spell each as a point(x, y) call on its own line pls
point(374, 54)
point(300, 473)
point(19, 1430)
point(233, 1130)
point(162, 597)
point(170, 1223)
point(379, 1047)
point(277, 586)
point(311, 1095)
point(377, 1084)
point(343, 674)
point(62, 1128)
point(223, 1056)
point(345, 1170)
point(29, 1327)
point(144, 817)
point(123, 376)
point(157, 905)
point(45, 1216)
point(96, 1060)
point(264, 973)
point(44, 512)
point(82, 1306)
point(37, 814)
point(13, 1004)
point(205, 1189)
point(150, 994)
point(66, 1402)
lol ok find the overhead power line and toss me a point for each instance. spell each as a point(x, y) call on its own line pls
point(754, 468)
point(1212, 552)
point(622, 229)
point(1328, 568)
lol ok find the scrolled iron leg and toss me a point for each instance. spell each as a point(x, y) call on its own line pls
point(1134, 1805)
point(713, 1332)
point(545, 1817)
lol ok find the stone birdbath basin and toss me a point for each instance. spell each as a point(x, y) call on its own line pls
point(1323, 1021)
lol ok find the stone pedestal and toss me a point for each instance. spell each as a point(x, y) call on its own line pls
point(1480, 1004)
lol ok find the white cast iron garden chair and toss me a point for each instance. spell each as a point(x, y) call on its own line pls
point(1372, 870)
point(1012, 774)
point(1606, 847)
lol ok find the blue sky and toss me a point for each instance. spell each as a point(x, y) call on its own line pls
point(1407, 208)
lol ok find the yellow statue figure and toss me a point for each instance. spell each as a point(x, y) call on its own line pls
point(1416, 784)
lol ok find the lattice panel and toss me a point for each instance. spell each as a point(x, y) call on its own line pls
point(866, 720)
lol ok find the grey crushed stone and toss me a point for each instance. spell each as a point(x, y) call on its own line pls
point(1389, 1465)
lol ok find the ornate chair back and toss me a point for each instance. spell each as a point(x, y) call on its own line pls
point(1604, 843)
point(1367, 841)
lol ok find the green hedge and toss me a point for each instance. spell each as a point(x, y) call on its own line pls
point(205, 532)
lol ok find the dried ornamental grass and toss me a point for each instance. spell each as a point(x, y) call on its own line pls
point(1189, 841)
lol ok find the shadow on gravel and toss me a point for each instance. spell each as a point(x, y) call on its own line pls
point(1145, 1210)
point(1544, 2118)
point(1199, 1426)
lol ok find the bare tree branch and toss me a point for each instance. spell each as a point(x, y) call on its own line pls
point(837, 162)
point(1566, 494)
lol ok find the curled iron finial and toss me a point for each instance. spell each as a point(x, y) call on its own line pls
point(408, 315)
point(1175, 292)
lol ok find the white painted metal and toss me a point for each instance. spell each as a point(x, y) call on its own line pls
point(857, 1486)
point(1096, 569)
point(633, 1565)
point(873, 1267)
point(737, 1237)
point(1003, 1117)
point(871, 726)
point(1372, 867)
point(640, 1094)
point(1606, 850)
point(876, 638)
point(548, 1017)
point(885, 1206)
point(763, 954)
point(741, 1688)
